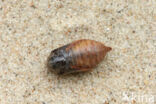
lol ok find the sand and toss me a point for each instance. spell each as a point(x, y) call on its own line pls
point(31, 29)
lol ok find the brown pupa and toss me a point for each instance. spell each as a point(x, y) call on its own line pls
point(78, 56)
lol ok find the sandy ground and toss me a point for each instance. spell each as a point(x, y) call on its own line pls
point(30, 29)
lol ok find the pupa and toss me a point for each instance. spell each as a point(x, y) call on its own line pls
point(78, 56)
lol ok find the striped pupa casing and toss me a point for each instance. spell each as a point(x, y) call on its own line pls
point(78, 56)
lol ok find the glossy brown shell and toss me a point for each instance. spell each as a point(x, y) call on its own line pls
point(80, 55)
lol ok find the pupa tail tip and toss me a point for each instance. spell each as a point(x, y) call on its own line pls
point(109, 48)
